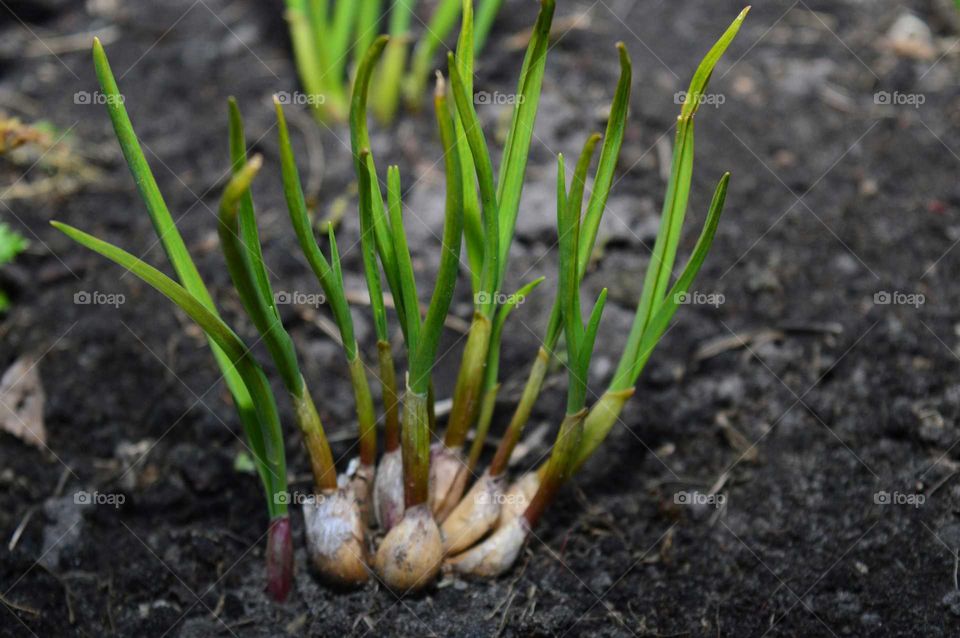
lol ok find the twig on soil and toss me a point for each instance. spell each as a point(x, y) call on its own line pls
point(113, 627)
point(716, 347)
point(736, 439)
point(362, 298)
point(713, 491)
point(243, 622)
point(507, 600)
point(663, 555)
point(579, 21)
point(67, 593)
point(956, 567)
point(829, 327)
point(941, 483)
point(69, 43)
point(531, 605)
point(754, 338)
point(503, 617)
point(25, 609)
point(18, 532)
point(326, 326)
point(837, 99)
point(221, 602)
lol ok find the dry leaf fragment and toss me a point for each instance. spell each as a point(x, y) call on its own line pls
point(21, 402)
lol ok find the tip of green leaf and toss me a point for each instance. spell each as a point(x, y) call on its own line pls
point(99, 55)
point(441, 89)
point(66, 229)
point(743, 14)
point(241, 180)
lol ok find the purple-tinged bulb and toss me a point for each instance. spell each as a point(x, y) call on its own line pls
point(279, 559)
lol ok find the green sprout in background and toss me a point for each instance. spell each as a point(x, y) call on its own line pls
point(415, 520)
point(11, 245)
point(327, 35)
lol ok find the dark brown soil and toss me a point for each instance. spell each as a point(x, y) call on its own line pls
point(828, 400)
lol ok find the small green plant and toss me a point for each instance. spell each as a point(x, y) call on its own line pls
point(417, 497)
point(245, 379)
point(327, 35)
point(11, 245)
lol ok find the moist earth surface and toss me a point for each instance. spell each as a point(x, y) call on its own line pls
point(787, 466)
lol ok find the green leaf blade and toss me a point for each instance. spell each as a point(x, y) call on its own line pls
point(659, 322)
point(516, 151)
point(422, 361)
point(609, 154)
point(331, 283)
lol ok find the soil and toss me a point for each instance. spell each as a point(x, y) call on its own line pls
point(822, 419)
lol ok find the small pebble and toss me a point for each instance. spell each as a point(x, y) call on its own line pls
point(952, 602)
point(910, 37)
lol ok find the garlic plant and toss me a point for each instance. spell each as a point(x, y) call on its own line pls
point(427, 505)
